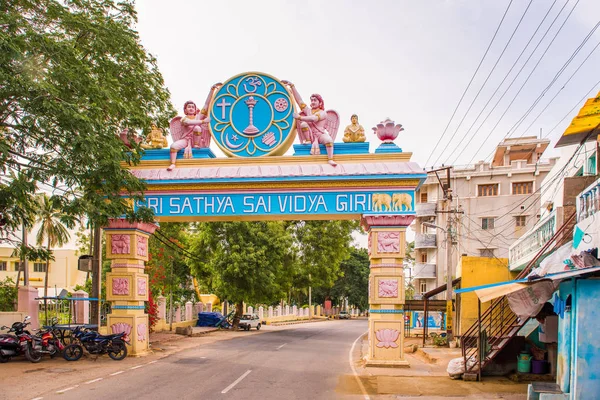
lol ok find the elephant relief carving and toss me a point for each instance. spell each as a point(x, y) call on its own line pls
point(401, 200)
point(388, 242)
point(382, 202)
point(120, 244)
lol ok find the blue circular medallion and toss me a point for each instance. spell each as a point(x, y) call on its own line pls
point(251, 115)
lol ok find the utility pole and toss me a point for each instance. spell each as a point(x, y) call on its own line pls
point(447, 190)
point(449, 313)
point(96, 277)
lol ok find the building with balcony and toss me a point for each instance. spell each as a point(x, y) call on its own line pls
point(496, 203)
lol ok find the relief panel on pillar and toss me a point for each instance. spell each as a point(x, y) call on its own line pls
point(141, 248)
point(388, 244)
point(129, 286)
point(386, 289)
point(119, 245)
point(387, 341)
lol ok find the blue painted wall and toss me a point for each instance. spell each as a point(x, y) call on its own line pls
point(586, 383)
point(563, 368)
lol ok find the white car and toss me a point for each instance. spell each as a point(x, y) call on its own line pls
point(248, 322)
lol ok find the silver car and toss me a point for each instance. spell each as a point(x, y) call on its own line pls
point(248, 322)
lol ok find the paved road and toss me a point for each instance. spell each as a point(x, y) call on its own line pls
point(306, 361)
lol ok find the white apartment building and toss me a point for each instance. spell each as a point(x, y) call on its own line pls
point(496, 202)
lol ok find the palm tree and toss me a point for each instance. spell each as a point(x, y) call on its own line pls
point(53, 230)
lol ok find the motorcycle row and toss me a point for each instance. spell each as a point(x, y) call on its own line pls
point(20, 341)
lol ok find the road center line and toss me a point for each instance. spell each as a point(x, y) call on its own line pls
point(38, 398)
point(137, 366)
point(152, 362)
point(238, 380)
point(93, 380)
point(360, 385)
point(66, 389)
point(116, 373)
point(281, 346)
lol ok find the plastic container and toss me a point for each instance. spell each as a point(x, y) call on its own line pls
point(524, 363)
point(539, 366)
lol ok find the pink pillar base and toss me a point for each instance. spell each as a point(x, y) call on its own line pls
point(28, 304)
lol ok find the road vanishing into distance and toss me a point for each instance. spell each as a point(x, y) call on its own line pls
point(303, 361)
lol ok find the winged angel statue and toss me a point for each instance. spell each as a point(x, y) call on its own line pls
point(315, 125)
point(191, 130)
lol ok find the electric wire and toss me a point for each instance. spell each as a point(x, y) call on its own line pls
point(558, 74)
point(560, 90)
point(525, 82)
point(470, 82)
point(486, 81)
point(501, 83)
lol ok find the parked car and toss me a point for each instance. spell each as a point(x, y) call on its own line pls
point(344, 315)
point(248, 322)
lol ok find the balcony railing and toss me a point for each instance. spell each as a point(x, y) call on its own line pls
point(425, 241)
point(525, 248)
point(424, 271)
point(425, 209)
point(588, 201)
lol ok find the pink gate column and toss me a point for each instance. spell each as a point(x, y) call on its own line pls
point(127, 285)
point(387, 244)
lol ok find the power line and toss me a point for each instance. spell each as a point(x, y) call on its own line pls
point(503, 80)
point(470, 82)
point(526, 80)
point(486, 79)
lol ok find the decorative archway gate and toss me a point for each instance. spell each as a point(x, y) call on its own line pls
point(375, 188)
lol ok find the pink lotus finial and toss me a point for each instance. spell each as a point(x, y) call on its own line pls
point(387, 130)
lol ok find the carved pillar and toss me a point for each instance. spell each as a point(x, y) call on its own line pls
point(127, 284)
point(387, 245)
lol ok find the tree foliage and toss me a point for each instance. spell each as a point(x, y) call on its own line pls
point(244, 261)
point(73, 76)
point(8, 295)
point(354, 282)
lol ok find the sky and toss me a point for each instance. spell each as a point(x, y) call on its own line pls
point(410, 61)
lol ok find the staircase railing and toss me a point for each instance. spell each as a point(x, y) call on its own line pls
point(498, 324)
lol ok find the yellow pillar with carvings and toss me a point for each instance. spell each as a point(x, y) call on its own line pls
point(387, 245)
point(127, 286)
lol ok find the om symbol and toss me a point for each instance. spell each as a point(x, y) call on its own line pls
point(254, 82)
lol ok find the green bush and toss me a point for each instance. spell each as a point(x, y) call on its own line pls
point(8, 295)
point(440, 341)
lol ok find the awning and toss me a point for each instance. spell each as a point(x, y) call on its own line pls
point(583, 125)
point(494, 290)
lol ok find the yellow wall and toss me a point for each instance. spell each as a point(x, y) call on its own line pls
point(475, 271)
point(63, 271)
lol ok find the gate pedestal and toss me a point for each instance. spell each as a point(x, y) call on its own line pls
point(387, 245)
point(127, 285)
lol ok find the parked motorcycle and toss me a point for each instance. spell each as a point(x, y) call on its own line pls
point(21, 342)
point(47, 342)
point(95, 343)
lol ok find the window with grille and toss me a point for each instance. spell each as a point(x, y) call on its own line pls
point(522, 187)
point(487, 190)
point(424, 258)
point(2, 265)
point(423, 197)
point(486, 253)
point(39, 267)
point(520, 221)
point(17, 266)
point(487, 223)
point(423, 287)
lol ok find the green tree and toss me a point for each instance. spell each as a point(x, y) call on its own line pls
point(322, 246)
point(354, 282)
point(52, 230)
point(74, 75)
point(244, 261)
point(8, 295)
